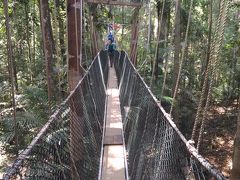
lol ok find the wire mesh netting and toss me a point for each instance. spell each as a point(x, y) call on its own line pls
point(69, 145)
point(156, 149)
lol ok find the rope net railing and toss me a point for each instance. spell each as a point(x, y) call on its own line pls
point(69, 145)
point(156, 149)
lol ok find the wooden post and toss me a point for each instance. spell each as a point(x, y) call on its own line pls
point(75, 72)
point(235, 173)
point(74, 33)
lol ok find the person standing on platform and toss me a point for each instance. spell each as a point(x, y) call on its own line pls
point(111, 49)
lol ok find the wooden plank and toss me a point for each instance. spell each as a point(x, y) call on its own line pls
point(113, 140)
point(113, 161)
point(115, 3)
point(113, 134)
point(113, 166)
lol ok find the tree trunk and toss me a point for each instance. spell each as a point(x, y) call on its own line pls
point(235, 173)
point(123, 21)
point(191, 70)
point(14, 45)
point(210, 20)
point(134, 39)
point(177, 41)
point(74, 75)
point(48, 45)
point(11, 69)
point(15, 75)
point(28, 42)
point(57, 46)
point(162, 24)
point(93, 35)
point(233, 82)
point(149, 27)
point(61, 32)
point(167, 28)
point(177, 50)
point(34, 41)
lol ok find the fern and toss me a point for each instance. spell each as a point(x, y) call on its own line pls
point(27, 126)
point(167, 99)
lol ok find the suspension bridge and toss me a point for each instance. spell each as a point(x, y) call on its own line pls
point(111, 126)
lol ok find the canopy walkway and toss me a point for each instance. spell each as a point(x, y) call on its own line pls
point(111, 127)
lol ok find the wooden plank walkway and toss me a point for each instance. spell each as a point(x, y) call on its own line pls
point(113, 158)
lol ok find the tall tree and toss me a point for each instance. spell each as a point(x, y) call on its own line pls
point(177, 41)
point(93, 34)
point(10, 67)
point(48, 45)
point(233, 81)
point(210, 21)
point(57, 44)
point(177, 50)
point(134, 38)
point(14, 61)
point(149, 27)
point(163, 9)
point(61, 30)
point(28, 39)
point(162, 24)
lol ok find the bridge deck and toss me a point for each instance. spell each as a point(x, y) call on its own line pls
point(113, 160)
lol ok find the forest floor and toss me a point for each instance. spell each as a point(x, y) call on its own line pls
point(5, 161)
point(217, 145)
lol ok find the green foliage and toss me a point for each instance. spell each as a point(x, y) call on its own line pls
point(56, 136)
point(27, 124)
point(31, 115)
point(28, 55)
point(167, 99)
point(4, 89)
point(35, 99)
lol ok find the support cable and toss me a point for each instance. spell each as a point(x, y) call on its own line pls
point(207, 73)
point(204, 88)
point(223, 15)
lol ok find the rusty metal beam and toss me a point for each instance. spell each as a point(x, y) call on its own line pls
point(116, 3)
